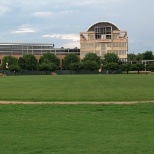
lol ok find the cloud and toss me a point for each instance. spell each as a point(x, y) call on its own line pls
point(68, 12)
point(72, 45)
point(43, 14)
point(87, 2)
point(73, 37)
point(26, 4)
point(25, 30)
point(4, 10)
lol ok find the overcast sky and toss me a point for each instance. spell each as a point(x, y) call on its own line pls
point(59, 22)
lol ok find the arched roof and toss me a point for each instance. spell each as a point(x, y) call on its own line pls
point(103, 24)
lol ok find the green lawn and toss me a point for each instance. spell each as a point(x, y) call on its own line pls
point(75, 129)
point(77, 88)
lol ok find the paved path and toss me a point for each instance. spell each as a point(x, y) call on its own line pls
point(21, 102)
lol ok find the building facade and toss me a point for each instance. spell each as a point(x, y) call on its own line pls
point(19, 49)
point(102, 38)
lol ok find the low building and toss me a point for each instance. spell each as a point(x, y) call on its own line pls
point(19, 49)
point(102, 38)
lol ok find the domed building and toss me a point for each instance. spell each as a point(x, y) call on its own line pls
point(102, 38)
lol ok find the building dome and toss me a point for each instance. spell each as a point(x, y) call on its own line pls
point(103, 24)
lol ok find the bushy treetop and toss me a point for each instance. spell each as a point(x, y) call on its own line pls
point(92, 57)
point(111, 58)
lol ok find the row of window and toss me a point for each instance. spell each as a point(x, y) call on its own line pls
point(118, 52)
point(103, 36)
point(87, 45)
point(21, 47)
point(120, 44)
point(100, 36)
point(103, 30)
point(82, 54)
point(115, 44)
point(40, 52)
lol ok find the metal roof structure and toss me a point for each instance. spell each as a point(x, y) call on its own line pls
point(103, 24)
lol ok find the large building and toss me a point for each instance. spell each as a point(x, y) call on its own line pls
point(102, 38)
point(19, 49)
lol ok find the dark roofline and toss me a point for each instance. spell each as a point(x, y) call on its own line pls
point(38, 44)
point(104, 23)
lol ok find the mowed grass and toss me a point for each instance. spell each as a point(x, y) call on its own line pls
point(77, 88)
point(75, 129)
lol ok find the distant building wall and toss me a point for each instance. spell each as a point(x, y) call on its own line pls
point(102, 38)
point(19, 49)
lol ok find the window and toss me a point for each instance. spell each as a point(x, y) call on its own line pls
point(37, 47)
point(29, 47)
point(17, 52)
point(109, 45)
point(5, 47)
point(109, 51)
point(36, 52)
point(24, 47)
point(24, 51)
point(115, 37)
point(16, 47)
point(91, 37)
point(46, 47)
point(30, 52)
point(103, 32)
point(97, 45)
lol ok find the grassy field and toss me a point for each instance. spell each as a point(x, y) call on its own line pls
point(77, 88)
point(75, 129)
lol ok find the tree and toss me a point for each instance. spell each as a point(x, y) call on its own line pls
point(48, 62)
point(22, 63)
point(111, 66)
point(70, 59)
point(126, 67)
point(81, 66)
point(148, 55)
point(139, 57)
point(92, 57)
point(30, 62)
point(47, 67)
point(131, 57)
point(7, 61)
point(76, 66)
point(50, 57)
point(14, 68)
point(111, 58)
point(151, 67)
point(91, 65)
point(138, 67)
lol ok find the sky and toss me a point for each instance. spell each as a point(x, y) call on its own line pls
point(60, 22)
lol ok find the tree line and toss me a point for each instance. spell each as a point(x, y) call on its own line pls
point(47, 61)
point(148, 55)
point(50, 62)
